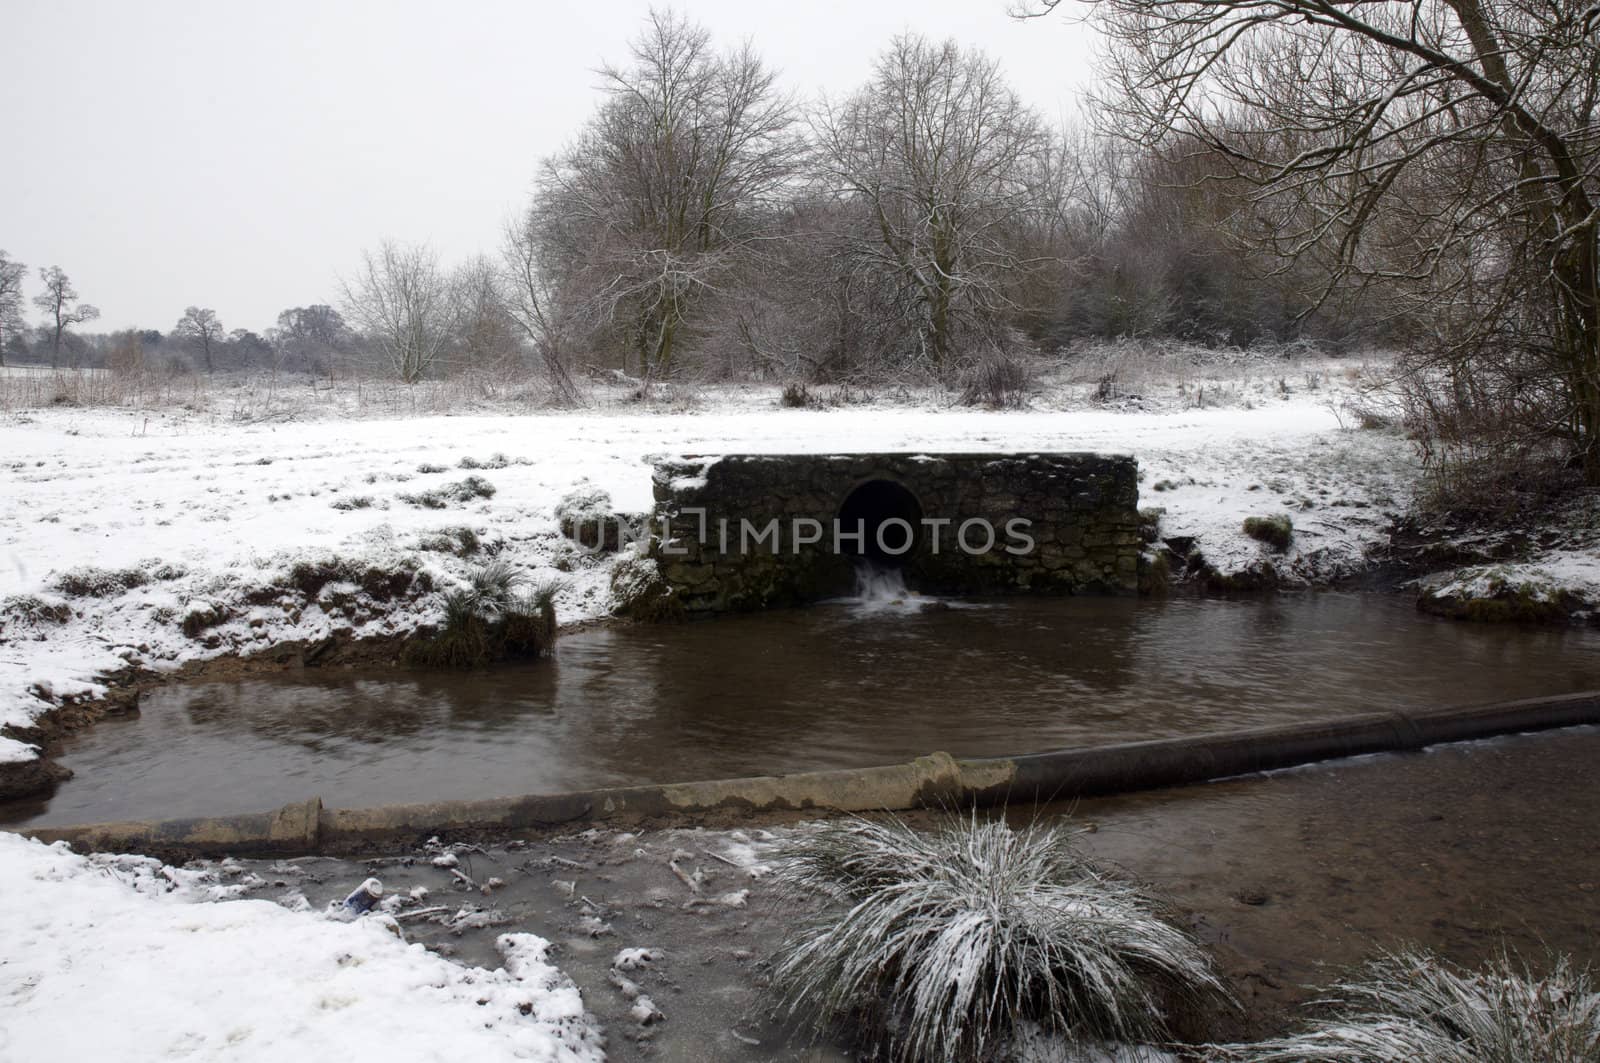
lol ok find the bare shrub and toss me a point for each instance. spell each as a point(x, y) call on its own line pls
point(1478, 459)
point(999, 380)
point(796, 396)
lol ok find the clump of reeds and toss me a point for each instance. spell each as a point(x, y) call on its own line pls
point(1414, 1007)
point(950, 943)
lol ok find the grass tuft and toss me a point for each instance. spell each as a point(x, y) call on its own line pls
point(459, 492)
point(1414, 1007)
point(492, 618)
point(953, 942)
point(1277, 531)
point(88, 581)
point(460, 541)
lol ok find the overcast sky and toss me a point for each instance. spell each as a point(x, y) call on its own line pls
point(239, 155)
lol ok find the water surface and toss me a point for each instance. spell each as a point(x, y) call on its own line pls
point(837, 685)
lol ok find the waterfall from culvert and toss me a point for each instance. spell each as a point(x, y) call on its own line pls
point(883, 587)
point(880, 585)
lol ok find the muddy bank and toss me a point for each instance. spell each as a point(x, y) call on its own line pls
point(1534, 561)
point(1288, 877)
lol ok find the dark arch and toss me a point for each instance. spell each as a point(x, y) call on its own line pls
point(872, 503)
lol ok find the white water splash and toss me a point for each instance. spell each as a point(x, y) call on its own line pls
point(880, 588)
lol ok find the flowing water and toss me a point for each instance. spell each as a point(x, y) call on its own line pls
point(871, 680)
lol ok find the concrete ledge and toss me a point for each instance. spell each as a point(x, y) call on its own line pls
point(936, 780)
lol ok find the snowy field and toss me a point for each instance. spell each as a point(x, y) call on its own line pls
point(120, 957)
point(152, 538)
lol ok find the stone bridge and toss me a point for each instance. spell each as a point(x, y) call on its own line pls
point(750, 531)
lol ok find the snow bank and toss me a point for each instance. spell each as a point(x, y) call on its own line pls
point(123, 958)
point(149, 540)
point(1556, 584)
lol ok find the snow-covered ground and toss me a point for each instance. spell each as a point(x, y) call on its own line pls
point(1556, 583)
point(109, 957)
point(153, 538)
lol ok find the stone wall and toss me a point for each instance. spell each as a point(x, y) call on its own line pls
point(1061, 524)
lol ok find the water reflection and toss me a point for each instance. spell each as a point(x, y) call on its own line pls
point(832, 686)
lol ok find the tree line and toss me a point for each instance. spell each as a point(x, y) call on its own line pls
point(703, 219)
point(1423, 175)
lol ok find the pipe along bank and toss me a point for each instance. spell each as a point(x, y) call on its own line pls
point(937, 780)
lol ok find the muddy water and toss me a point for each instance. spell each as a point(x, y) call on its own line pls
point(839, 685)
point(1295, 876)
point(1289, 878)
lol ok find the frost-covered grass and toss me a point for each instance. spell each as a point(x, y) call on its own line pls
point(153, 538)
point(111, 957)
point(957, 942)
point(1413, 1007)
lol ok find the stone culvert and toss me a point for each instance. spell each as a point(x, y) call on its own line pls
point(751, 531)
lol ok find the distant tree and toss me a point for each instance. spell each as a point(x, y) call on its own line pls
point(249, 349)
point(203, 332)
point(312, 338)
point(60, 302)
point(12, 322)
point(126, 356)
point(946, 161)
point(486, 336)
point(400, 300)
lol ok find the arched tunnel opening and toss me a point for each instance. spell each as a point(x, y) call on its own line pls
point(890, 519)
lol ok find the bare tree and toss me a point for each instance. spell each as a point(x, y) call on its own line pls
point(533, 299)
point(12, 322)
point(401, 301)
point(946, 160)
point(60, 301)
point(486, 338)
point(669, 188)
point(1443, 155)
point(203, 332)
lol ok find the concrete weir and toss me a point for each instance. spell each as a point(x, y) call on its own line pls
point(749, 531)
point(936, 780)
